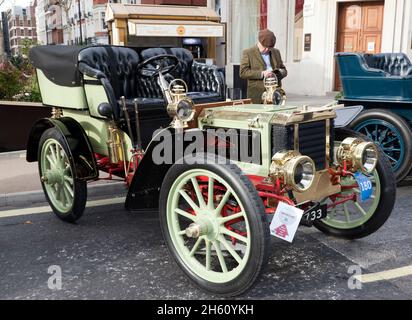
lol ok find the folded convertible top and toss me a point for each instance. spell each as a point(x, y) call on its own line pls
point(58, 63)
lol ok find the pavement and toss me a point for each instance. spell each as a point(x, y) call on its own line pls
point(114, 254)
point(20, 182)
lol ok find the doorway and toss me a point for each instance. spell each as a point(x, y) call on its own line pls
point(360, 27)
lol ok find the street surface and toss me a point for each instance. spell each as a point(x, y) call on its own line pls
point(114, 254)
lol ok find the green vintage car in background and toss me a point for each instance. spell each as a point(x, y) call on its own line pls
point(215, 201)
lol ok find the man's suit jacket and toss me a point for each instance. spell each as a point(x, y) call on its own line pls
point(252, 66)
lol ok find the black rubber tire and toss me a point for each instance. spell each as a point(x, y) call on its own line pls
point(401, 125)
point(386, 203)
point(79, 188)
point(259, 226)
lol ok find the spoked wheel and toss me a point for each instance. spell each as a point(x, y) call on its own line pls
point(355, 219)
point(214, 225)
point(65, 194)
point(392, 134)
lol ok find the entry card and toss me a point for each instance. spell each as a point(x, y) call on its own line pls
point(365, 186)
point(286, 221)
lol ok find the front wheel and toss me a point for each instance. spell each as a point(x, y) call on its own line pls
point(66, 195)
point(215, 226)
point(356, 219)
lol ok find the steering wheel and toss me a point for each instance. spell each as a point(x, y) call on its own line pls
point(161, 64)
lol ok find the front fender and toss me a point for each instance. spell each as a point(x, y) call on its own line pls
point(344, 116)
point(80, 150)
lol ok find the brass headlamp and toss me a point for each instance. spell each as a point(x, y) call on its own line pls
point(181, 109)
point(293, 169)
point(274, 94)
point(358, 155)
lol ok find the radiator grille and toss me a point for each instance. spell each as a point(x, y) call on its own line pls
point(312, 142)
point(312, 139)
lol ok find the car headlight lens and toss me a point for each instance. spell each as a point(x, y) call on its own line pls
point(183, 110)
point(358, 155)
point(295, 170)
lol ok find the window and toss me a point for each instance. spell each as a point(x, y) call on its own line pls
point(103, 20)
point(298, 30)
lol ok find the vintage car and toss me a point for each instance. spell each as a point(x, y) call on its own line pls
point(215, 200)
point(382, 83)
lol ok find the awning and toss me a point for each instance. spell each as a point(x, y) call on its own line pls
point(175, 28)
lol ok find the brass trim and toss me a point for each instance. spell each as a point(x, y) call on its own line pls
point(283, 118)
point(322, 187)
point(284, 166)
point(328, 143)
point(56, 113)
point(296, 137)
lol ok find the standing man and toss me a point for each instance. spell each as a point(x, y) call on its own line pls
point(259, 62)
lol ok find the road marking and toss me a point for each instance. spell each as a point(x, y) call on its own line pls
point(47, 209)
point(385, 275)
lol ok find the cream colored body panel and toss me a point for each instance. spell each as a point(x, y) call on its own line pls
point(97, 131)
point(59, 96)
point(95, 96)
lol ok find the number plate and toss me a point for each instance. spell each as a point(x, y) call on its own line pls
point(318, 212)
point(365, 186)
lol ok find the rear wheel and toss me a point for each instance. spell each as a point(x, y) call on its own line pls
point(215, 226)
point(355, 219)
point(66, 195)
point(392, 134)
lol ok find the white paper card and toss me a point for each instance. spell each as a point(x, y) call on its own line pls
point(371, 46)
point(286, 221)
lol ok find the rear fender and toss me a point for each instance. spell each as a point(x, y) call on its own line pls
point(80, 150)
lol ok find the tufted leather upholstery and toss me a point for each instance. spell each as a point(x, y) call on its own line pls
point(395, 64)
point(116, 68)
point(119, 66)
point(200, 77)
point(122, 74)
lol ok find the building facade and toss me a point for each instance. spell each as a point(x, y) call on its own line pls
point(21, 25)
point(310, 32)
point(85, 23)
point(334, 26)
point(72, 22)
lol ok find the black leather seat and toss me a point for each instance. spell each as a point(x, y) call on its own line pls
point(395, 64)
point(116, 68)
point(205, 83)
point(119, 66)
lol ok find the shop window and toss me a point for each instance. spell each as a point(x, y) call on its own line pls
point(298, 30)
